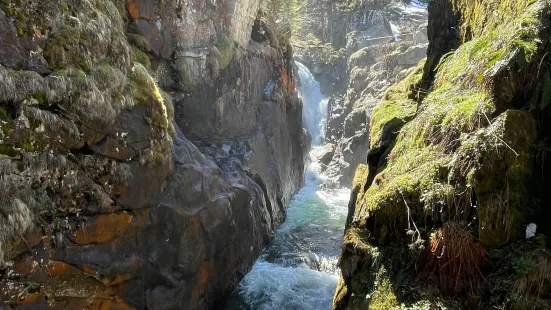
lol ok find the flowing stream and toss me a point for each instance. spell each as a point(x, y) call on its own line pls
point(297, 271)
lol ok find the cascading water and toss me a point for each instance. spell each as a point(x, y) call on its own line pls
point(298, 270)
point(395, 32)
point(314, 113)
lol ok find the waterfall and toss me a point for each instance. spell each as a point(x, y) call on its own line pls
point(298, 269)
point(314, 113)
point(395, 31)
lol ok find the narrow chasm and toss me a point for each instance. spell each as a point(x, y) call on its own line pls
point(275, 154)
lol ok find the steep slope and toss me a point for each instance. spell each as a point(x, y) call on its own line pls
point(148, 149)
point(456, 170)
point(365, 47)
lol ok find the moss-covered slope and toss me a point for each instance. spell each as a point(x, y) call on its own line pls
point(455, 171)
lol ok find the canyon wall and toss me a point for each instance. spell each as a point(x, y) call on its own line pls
point(148, 149)
point(451, 208)
point(370, 46)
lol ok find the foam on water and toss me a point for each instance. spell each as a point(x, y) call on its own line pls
point(270, 286)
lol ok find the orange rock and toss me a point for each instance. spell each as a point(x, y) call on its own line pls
point(133, 8)
point(284, 78)
point(58, 268)
point(29, 298)
point(291, 89)
point(118, 279)
point(203, 276)
point(103, 228)
point(88, 269)
point(16, 293)
point(115, 304)
point(26, 265)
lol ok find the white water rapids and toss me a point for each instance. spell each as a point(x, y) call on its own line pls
point(297, 271)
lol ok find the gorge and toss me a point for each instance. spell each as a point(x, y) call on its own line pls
point(275, 154)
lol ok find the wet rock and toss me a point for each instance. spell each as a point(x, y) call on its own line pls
point(349, 153)
point(323, 154)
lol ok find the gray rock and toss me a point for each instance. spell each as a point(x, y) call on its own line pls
point(323, 154)
point(142, 203)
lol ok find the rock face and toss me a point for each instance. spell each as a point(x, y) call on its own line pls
point(323, 154)
point(378, 57)
point(148, 149)
point(437, 217)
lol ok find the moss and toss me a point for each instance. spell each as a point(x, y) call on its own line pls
point(504, 148)
point(64, 8)
point(460, 105)
point(513, 43)
point(5, 6)
point(479, 16)
point(159, 153)
point(185, 67)
point(360, 176)
point(226, 49)
point(357, 239)
point(396, 109)
point(20, 23)
point(384, 298)
point(141, 57)
point(90, 32)
point(341, 293)
point(462, 153)
point(144, 90)
point(447, 112)
point(4, 116)
point(41, 98)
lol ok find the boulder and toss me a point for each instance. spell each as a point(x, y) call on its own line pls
point(323, 154)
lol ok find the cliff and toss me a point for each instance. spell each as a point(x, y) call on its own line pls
point(148, 149)
point(384, 44)
point(457, 170)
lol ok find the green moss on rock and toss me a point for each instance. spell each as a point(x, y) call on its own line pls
point(226, 49)
point(145, 91)
point(141, 57)
point(462, 153)
point(396, 109)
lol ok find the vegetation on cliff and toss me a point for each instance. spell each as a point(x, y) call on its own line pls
point(448, 197)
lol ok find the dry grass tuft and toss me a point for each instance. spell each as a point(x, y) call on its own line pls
point(454, 258)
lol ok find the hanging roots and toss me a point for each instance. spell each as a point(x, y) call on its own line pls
point(454, 258)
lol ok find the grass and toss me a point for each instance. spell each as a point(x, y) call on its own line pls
point(442, 127)
point(533, 282)
point(479, 18)
point(396, 108)
point(455, 259)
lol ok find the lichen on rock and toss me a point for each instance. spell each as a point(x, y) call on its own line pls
point(103, 194)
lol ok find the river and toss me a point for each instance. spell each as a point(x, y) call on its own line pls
point(298, 269)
